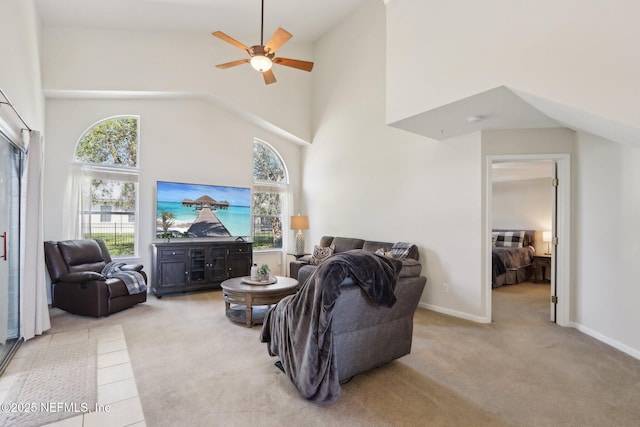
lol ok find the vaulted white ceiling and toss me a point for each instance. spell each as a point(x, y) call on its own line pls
point(180, 31)
point(498, 108)
point(306, 20)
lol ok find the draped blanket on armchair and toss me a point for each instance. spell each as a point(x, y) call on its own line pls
point(299, 328)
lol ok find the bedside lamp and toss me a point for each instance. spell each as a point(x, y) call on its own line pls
point(546, 237)
point(299, 222)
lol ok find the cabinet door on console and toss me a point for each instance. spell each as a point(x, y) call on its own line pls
point(198, 265)
point(173, 269)
point(218, 265)
point(240, 259)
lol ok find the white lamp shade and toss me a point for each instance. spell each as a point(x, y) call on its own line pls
point(546, 236)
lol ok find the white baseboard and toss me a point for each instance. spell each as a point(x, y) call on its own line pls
point(613, 343)
point(461, 315)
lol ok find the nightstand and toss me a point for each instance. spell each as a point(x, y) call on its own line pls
point(541, 262)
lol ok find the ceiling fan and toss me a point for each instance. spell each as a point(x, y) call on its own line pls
point(263, 56)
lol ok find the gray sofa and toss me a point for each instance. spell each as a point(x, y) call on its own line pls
point(343, 244)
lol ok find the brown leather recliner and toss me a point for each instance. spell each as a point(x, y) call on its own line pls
point(77, 285)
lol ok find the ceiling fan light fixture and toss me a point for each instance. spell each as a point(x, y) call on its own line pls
point(261, 63)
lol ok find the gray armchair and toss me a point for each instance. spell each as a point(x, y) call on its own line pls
point(367, 335)
point(352, 313)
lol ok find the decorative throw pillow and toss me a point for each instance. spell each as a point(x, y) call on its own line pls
point(510, 239)
point(401, 250)
point(494, 239)
point(321, 253)
point(382, 252)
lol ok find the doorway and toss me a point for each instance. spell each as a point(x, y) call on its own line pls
point(559, 297)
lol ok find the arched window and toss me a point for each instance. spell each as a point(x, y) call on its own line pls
point(106, 174)
point(270, 193)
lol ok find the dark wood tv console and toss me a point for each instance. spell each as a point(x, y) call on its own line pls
point(193, 266)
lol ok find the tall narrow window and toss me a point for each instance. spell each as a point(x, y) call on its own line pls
point(270, 193)
point(106, 160)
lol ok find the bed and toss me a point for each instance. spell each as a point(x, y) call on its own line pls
point(512, 256)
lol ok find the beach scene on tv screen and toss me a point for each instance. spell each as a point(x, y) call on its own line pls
point(196, 210)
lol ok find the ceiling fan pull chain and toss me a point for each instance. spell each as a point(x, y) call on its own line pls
point(262, 25)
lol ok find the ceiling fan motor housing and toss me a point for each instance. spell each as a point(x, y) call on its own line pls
point(258, 50)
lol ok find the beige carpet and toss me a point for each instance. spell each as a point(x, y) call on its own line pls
point(194, 367)
point(69, 372)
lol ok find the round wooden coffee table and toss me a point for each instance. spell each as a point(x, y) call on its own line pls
point(252, 301)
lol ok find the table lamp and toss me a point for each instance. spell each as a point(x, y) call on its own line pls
point(299, 222)
point(546, 237)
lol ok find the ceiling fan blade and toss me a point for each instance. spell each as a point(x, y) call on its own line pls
point(223, 36)
point(269, 77)
point(233, 63)
point(280, 37)
point(294, 63)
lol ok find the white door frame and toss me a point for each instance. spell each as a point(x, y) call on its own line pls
point(562, 251)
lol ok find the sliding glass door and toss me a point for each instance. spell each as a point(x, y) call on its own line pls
point(10, 164)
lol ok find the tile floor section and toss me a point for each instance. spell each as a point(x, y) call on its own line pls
point(116, 384)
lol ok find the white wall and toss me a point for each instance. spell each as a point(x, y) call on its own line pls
point(20, 69)
point(605, 205)
point(607, 248)
point(578, 53)
point(523, 205)
point(364, 179)
point(102, 60)
point(180, 140)
point(441, 51)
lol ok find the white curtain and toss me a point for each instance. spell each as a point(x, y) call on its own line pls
point(76, 199)
point(33, 297)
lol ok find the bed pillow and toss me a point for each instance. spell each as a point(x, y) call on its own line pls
point(509, 239)
point(320, 254)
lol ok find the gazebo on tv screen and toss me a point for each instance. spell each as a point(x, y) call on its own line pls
point(196, 210)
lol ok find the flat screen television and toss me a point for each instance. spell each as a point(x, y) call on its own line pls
point(198, 211)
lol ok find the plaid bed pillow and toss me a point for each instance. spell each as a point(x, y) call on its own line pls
point(509, 239)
